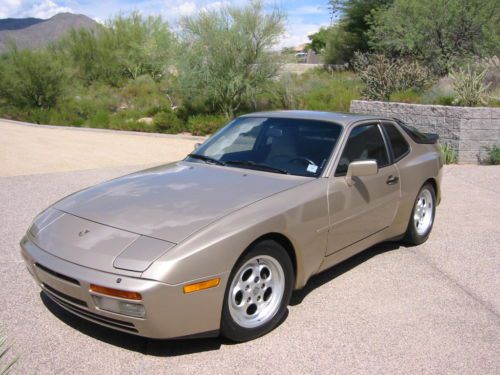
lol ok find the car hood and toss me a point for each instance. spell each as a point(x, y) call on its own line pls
point(171, 202)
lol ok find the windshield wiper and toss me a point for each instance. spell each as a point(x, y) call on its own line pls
point(254, 165)
point(207, 159)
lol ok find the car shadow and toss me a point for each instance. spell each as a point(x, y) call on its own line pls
point(324, 277)
point(179, 347)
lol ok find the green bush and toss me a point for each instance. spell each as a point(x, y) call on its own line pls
point(493, 155)
point(315, 90)
point(205, 124)
point(326, 91)
point(450, 156)
point(406, 96)
point(31, 79)
point(38, 116)
point(128, 119)
point(100, 119)
point(146, 94)
point(444, 100)
point(167, 122)
point(151, 111)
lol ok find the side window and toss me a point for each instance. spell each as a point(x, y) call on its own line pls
point(365, 142)
point(399, 145)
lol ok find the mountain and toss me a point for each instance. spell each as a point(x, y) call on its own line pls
point(35, 33)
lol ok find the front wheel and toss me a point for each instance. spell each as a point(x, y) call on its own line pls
point(258, 292)
point(422, 217)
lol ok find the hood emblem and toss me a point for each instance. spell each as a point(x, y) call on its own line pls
point(83, 233)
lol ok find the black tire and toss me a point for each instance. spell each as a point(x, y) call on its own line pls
point(230, 329)
point(412, 236)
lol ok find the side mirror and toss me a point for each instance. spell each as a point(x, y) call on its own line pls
point(361, 168)
point(197, 145)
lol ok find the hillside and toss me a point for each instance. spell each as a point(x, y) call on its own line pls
point(34, 32)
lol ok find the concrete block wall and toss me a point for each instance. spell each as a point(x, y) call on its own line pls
point(468, 130)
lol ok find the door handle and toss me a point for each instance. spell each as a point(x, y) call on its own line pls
point(392, 180)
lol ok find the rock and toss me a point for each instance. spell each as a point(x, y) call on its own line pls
point(146, 120)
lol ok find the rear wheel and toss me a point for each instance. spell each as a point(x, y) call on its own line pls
point(258, 292)
point(422, 217)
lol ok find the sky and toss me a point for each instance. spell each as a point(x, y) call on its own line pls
point(304, 17)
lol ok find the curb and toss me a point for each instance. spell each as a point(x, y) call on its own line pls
point(110, 131)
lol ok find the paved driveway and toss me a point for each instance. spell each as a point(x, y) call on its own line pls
point(29, 149)
point(434, 308)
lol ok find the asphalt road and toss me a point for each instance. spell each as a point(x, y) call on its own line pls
point(434, 308)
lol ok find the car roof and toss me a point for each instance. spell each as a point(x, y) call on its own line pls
point(337, 117)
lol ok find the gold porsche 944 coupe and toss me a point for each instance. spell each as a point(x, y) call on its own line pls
point(216, 243)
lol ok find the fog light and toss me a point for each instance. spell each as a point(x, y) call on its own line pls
point(120, 307)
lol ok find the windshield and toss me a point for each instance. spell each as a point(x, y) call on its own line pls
point(279, 145)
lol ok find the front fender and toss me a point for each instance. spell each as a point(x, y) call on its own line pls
point(300, 214)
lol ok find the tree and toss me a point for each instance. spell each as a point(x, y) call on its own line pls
point(127, 47)
point(437, 32)
point(92, 54)
point(31, 79)
point(349, 34)
point(143, 45)
point(227, 55)
point(339, 48)
point(318, 40)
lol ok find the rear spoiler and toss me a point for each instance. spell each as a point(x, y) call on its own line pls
point(430, 138)
point(417, 135)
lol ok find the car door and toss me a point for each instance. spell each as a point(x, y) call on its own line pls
point(369, 205)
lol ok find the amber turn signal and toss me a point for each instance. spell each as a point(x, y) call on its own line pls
point(115, 292)
point(201, 285)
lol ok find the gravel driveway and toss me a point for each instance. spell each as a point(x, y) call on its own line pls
point(434, 308)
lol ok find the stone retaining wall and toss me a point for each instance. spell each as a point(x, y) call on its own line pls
point(468, 130)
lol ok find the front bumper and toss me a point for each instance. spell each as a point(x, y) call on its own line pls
point(169, 312)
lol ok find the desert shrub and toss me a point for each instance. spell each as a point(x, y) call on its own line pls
point(88, 100)
point(135, 126)
point(205, 124)
point(315, 90)
point(383, 76)
point(100, 119)
point(61, 116)
point(376, 72)
point(31, 79)
point(444, 100)
point(144, 93)
point(411, 75)
point(450, 155)
point(330, 91)
point(128, 119)
point(194, 105)
point(469, 86)
point(284, 93)
point(167, 122)
point(151, 111)
point(493, 157)
point(38, 115)
point(4, 350)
